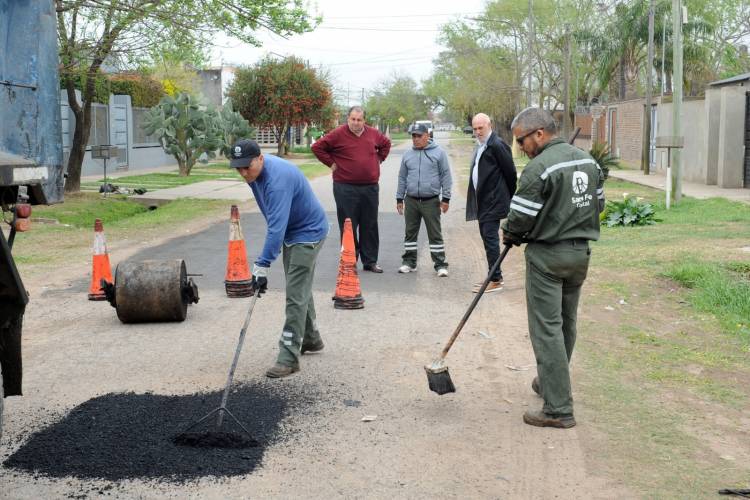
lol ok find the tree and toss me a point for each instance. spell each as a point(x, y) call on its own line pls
point(185, 129)
point(91, 32)
point(280, 94)
point(473, 75)
point(397, 97)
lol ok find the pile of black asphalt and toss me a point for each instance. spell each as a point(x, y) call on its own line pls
point(131, 436)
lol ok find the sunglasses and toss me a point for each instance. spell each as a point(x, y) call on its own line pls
point(520, 140)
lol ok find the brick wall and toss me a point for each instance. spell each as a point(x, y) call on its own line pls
point(585, 121)
point(628, 128)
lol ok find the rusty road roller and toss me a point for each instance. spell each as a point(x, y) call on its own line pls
point(151, 291)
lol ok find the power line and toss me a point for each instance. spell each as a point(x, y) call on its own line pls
point(402, 15)
point(372, 29)
point(383, 61)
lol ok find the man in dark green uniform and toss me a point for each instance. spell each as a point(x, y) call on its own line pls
point(556, 212)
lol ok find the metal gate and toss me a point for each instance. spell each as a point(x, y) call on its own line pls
point(118, 129)
point(747, 140)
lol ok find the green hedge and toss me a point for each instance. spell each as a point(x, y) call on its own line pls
point(144, 91)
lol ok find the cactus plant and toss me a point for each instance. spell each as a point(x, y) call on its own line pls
point(186, 129)
point(233, 126)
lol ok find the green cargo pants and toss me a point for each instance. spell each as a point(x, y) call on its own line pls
point(414, 211)
point(554, 276)
point(300, 326)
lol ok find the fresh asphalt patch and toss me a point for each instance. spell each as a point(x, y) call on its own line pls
point(130, 436)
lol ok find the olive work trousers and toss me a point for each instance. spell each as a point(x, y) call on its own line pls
point(300, 325)
point(414, 211)
point(554, 276)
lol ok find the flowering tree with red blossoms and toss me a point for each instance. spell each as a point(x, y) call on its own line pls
point(282, 94)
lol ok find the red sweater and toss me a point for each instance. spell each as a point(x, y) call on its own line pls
point(357, 159)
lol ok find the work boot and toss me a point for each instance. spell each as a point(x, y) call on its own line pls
point(540, 419)
point(280, 371)
point(535, 386)
point(312, 347)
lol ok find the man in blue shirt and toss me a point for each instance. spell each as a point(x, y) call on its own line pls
point(297, 222)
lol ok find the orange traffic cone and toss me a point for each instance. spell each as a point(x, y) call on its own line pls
point(238, 278)
point(102, 270)
point(348, 292)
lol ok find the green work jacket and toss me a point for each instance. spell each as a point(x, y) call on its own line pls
point(560, 195)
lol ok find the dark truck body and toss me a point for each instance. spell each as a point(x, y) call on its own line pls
point(30, 150)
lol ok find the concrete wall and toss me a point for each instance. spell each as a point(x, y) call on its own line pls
point(713, 115)
point(713, 129)
point(731, 153)
point(214, 83)
point(210, 86)
point(694, 131)
point(136, 156)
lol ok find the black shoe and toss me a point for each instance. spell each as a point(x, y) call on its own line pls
point(373, 268)
point(535, 386)
point(312, 347)
point(541, 419)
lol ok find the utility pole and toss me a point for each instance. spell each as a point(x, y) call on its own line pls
point(646, 143)
point(676, 98)
point(663, 55)
point(566, 83)
point(363, 97)
point(532, 36)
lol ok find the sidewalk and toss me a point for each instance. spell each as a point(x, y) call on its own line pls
point(657, 180)
point(213, 190)
point(116, 174)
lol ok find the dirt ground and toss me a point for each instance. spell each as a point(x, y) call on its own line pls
point(471, 444)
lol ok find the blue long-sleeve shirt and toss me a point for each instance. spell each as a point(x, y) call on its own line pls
point(292, 212)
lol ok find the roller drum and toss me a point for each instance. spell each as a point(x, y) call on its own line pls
point(151, 291)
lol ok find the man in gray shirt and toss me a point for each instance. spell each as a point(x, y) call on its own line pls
point(424, 191)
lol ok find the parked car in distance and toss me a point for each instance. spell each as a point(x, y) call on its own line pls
point(427, 123)
point(467, 129)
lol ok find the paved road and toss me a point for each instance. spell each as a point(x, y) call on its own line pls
point(471, 444)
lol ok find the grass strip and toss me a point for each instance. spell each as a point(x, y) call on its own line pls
point(718, 290)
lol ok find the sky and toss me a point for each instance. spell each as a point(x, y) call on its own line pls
point(361, 43)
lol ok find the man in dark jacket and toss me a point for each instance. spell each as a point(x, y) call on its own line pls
point(492, 182)
point(354, 153)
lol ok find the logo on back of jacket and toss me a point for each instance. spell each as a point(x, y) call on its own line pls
point(580, 185)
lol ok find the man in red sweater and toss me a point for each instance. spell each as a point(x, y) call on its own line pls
point(354, 153)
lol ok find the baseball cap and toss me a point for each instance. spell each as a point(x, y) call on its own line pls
point(243, 153)
point(419, 128)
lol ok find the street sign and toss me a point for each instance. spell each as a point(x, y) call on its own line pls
point(670, 142)
point(104, 151)
point(401, 119)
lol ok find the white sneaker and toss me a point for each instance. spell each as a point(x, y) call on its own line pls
point(406, 269)
point(442, 272)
